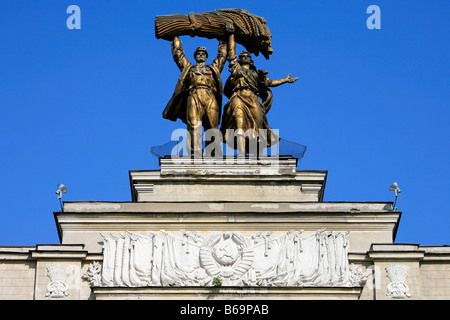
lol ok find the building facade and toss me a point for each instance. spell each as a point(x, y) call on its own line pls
point(226, 230)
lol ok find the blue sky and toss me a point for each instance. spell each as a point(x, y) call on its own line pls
point(83, 107)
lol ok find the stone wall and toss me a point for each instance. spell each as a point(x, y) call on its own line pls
point(25, 274)
point(17, 280)
point(435, 280)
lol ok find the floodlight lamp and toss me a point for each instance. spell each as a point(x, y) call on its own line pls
point(394, 187)
point(61, 189)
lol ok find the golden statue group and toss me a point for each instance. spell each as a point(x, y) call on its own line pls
point(197, 99)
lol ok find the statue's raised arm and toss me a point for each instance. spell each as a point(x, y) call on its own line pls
point(219, 61)
point(231, 41)
point(178, 54)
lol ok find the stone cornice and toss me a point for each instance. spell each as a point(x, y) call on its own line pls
point(267, 293)
point(67, 251)
point(396, 251)
point(212, 207)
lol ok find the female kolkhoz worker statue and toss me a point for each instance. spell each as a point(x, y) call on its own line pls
point(197, 99)
point(244, 112)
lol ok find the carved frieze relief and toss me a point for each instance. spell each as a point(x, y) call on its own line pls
point(192, 259)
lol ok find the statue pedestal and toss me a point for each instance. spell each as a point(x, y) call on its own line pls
point(260, 225)
point(237, 180)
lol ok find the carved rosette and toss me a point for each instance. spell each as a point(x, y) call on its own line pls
point(397, 288)
point(58, 274)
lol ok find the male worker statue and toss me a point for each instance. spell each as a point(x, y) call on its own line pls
point(197, 99)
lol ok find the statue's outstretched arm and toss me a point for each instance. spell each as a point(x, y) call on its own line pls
point(178, 53)
point(279, 82)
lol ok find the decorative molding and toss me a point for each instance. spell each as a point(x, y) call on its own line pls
point(357, 277)
point(93, 274)
point(58, 274)
point(192, 259)
point(397, 288)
